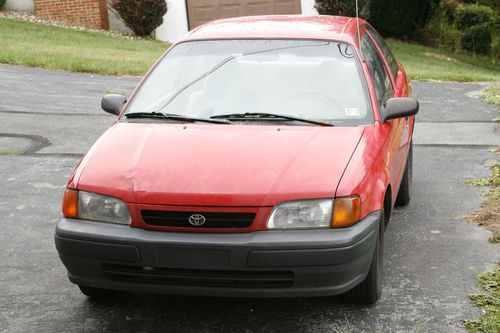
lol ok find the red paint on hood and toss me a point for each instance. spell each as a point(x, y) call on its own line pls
point(217, 165)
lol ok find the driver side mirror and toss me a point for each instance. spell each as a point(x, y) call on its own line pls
point(113, 103)
point(400, 107)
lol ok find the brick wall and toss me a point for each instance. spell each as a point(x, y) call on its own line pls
point(85, 13)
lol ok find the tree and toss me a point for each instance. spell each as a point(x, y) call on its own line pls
point(400, 18)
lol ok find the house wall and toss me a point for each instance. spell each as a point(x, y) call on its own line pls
point(116, 23)
point(20, 5)
point(308, 7)
point(175, 23)
point(85, 13)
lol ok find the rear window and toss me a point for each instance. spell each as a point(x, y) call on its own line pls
point(318, 80)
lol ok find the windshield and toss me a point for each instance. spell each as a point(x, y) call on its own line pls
point(314, 80)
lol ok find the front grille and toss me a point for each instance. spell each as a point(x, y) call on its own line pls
point(198, 278)
point(165, 218)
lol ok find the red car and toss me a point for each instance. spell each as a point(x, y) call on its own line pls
point(259, 157)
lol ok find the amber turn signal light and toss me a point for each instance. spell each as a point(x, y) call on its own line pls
point(70, 204)
point(346, 211)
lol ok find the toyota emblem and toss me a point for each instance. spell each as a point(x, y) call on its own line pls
point(197, 220)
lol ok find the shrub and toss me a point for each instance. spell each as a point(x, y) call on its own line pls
point(441, 32)
point(459, 26)
point(467, 16)
point(401, 18)
point(448, 8)
point(141, 16)
point(490, 3)
point(341, 7)
point(495, 48)
point(2, 3)
point(477, 39)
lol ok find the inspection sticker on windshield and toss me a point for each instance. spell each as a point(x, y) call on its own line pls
point(352, 112)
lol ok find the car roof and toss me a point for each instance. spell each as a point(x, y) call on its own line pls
point(321, 27)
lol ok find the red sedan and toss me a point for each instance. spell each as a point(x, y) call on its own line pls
point(259, 157)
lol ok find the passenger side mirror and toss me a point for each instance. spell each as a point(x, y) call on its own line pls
point(400, 107)
point(113, 103)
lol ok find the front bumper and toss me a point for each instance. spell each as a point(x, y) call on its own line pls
point(255, 264)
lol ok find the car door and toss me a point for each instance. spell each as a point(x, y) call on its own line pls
point(384, 89)
point(399, 80)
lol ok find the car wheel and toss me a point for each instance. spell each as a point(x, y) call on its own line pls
point(368, 291)
point(404, 193)
point(94, 292)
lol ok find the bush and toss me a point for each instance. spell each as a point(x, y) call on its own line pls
point(2, 3)
point(401, 18)
point(440, 31)
point(141, 16)
point(477, 23)
point(477, 39)
point(495, 48)
point(467, 16)
point(341, 7)
point(448, 8)
point(490, 3)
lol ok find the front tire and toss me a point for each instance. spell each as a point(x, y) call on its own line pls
point(369, 291)
point(404, 194)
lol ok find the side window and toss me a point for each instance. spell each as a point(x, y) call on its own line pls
point(378, 71)
point(391, 60)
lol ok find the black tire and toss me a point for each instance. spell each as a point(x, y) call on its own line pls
point(404, 194)
point(94, 292)
point(369, 291)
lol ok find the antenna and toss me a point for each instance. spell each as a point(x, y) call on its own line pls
point(359, 32)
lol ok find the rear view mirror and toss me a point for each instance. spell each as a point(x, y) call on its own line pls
point(400, 107)
point(113, 103)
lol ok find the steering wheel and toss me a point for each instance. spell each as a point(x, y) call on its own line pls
point(332, 105)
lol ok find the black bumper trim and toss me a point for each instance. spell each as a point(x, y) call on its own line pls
point(205, 278)
point(97, 250)
point(308, 257)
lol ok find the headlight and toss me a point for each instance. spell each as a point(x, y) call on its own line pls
point(307, 214)
point(95, 207)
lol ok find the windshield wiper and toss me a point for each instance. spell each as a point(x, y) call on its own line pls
point(268, 116)
point(172, 116)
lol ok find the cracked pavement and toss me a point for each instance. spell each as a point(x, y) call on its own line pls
point(431, 258)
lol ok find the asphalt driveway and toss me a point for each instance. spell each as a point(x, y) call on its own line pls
point(49, 119)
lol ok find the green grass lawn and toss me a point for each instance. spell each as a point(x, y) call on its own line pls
point(425, 63)
point(489, 300)
point(39, 45)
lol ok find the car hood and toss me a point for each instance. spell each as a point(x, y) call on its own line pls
point(216, 165)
